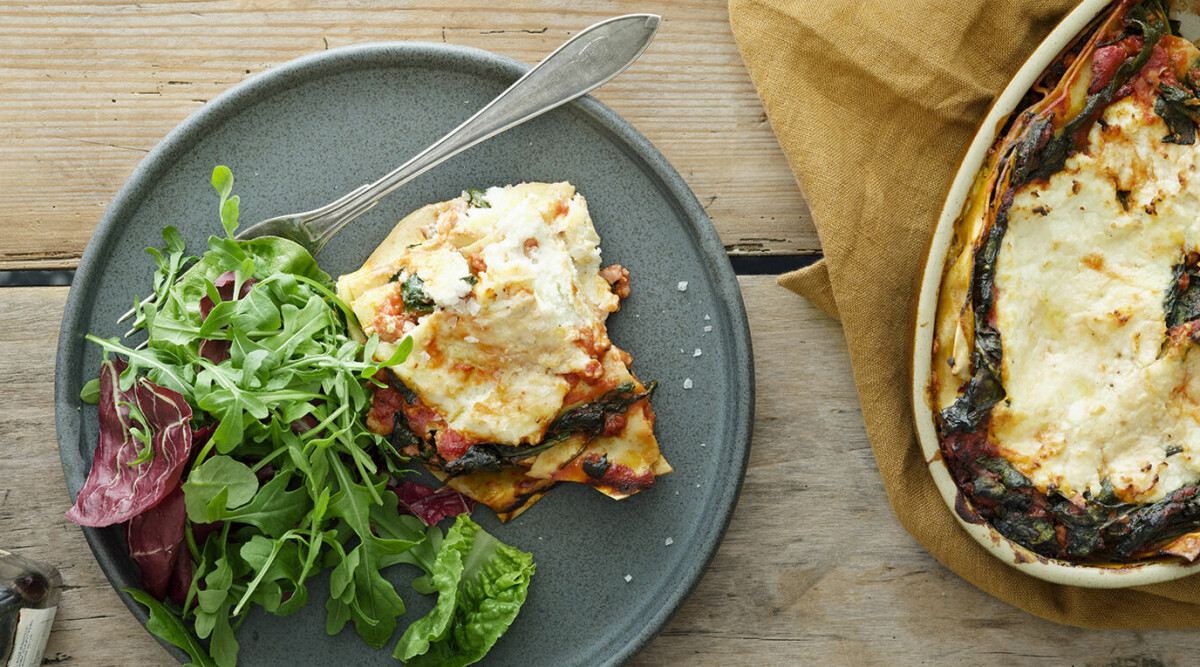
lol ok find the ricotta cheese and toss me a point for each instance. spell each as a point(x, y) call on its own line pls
point(518, 303)
point(1094, 389)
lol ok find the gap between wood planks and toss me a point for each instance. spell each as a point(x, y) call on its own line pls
point(743, 265)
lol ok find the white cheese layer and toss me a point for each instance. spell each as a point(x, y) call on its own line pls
point(1093, 390)
point(519, 302)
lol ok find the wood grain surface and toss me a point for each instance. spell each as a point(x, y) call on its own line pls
point(814, 569)
point(88, 88)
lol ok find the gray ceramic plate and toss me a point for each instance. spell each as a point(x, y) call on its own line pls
point(308, 131)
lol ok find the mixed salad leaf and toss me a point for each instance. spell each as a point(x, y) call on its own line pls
point(123, 481)
point(233, 445)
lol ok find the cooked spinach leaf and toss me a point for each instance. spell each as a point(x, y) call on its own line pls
point(1150, 20)
point(477, 199)
point(595, 468)
point(477, 457)
point(1182, 302)
point(1180, 110)
point(590, 418)
point(412, 291)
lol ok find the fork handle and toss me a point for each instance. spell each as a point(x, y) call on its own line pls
point(582, 64)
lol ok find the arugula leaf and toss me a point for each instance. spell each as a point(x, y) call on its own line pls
point(141, 432)
point(91, 391)
point(223, 646)
point(167, 624)
point(164, 368)
point(168, 264)
point(218, 478)
point(269, 255)
point(271, 559)
point(274, 509)
point(257, 313)
point(375, 604)
point(300, 327)
point(222, 182)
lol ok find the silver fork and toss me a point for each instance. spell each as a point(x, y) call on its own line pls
point(583, 63)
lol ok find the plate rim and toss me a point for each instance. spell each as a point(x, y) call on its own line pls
point(192, 129)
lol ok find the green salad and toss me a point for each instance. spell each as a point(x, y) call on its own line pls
point(234, 450)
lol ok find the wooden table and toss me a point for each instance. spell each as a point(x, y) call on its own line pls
point(814, 568)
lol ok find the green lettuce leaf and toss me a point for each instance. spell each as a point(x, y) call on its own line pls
point(481, 584)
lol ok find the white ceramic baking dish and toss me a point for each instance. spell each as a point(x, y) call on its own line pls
point(1062, 572)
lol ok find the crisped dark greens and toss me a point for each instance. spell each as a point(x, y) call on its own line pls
point(1182, 303)
point(588, 419)
point(289, 481)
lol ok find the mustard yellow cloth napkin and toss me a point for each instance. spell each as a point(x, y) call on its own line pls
point(874, 103)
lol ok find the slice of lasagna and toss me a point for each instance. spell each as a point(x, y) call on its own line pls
point(512, 384)
point(1064, 368)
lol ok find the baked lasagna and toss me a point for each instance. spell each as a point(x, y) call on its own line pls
point(512, 385)
point(1065, 374)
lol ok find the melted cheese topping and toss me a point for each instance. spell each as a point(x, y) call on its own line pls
point(491, 356)
point(1094, 389)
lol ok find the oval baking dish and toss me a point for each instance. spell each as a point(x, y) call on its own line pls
point(1110, 571)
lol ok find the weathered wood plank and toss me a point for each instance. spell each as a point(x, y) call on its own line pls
point(90, 87)
point(814, 569)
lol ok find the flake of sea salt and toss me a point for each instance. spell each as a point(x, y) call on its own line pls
point(669, 541)
point(696, 353)
point(628, 578)
point(687, 383)
point(682, 286)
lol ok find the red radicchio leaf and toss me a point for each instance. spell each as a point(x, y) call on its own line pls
point(411, 492)
point(215, 351)
point(304, 424)
point(116, 492)
point(181, 578)
point(201, 531)
point(201, 435)
point(157, 545)
point(431, 506)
